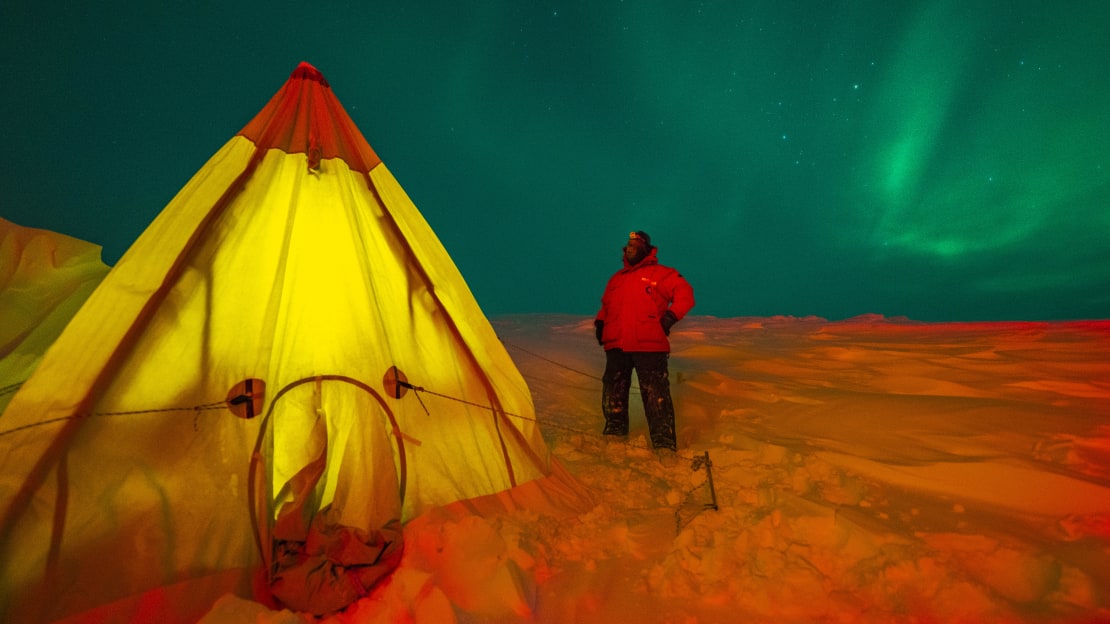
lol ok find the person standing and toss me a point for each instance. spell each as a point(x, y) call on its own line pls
point(642, 301)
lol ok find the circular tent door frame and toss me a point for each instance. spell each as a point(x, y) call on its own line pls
point(253, 477)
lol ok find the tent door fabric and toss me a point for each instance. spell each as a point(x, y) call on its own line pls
point(326, 532)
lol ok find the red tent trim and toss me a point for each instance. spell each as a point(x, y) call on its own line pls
point(305, 117)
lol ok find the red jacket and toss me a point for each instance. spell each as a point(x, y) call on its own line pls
point(634, 302)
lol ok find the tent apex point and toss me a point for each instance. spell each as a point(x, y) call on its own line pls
point(305, 70)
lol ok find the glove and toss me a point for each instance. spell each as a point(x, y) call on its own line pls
point(598, 326)
point(667, 321)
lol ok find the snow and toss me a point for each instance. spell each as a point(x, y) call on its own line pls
point(867, 470)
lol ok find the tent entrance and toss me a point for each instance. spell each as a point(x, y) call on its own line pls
point(327, 484)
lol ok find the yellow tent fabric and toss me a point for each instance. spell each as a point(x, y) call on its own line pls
point(44, 279)
point(289, 314)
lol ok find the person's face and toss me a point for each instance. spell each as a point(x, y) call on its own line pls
point(635, 250)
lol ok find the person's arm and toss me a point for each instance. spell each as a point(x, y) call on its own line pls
point(599, 319)
point(682, 296)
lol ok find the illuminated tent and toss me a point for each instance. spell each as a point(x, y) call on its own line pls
point(286, 359)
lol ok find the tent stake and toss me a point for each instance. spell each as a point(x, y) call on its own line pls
point(712, 491)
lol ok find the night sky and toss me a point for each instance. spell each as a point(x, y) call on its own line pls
point(938, 160)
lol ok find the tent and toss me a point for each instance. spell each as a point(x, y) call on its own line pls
point(284, 367)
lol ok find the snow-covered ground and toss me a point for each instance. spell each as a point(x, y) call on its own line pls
point(869, 470)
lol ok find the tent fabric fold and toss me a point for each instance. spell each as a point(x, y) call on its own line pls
point(293, 259)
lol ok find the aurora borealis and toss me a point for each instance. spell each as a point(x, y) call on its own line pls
point(938, 160)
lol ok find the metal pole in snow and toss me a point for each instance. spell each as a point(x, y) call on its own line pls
point(712, 490)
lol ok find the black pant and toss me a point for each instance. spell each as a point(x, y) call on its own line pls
point(655, 391)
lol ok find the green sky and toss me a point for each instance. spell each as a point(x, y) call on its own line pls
point(938, 160)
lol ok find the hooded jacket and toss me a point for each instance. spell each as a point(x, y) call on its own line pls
point(634, 302)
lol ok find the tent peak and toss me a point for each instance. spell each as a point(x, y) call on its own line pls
point(304, 117)
point(306, 71)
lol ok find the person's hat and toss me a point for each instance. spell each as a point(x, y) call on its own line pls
point(641, 236)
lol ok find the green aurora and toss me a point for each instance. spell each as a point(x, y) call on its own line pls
point(938, 160)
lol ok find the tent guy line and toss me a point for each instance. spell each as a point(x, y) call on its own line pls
point(547, 359)
point(49, 421)
point(415, 388)
point(229, 404)
point(696, 462)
